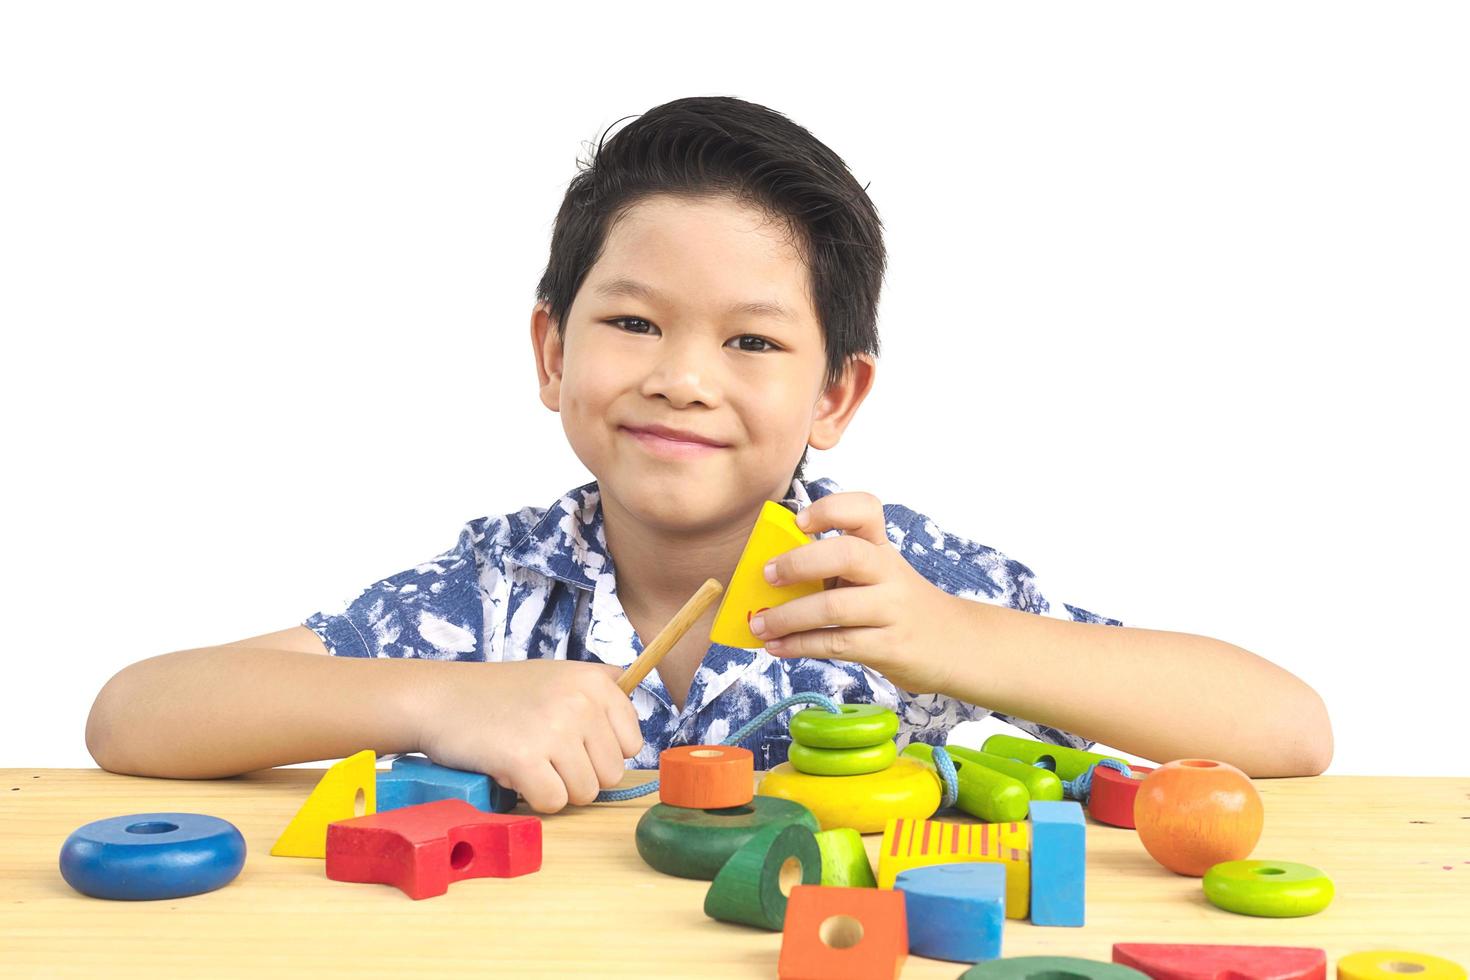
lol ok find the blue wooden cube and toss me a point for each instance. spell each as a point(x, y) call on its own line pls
point(955, 911)
point(1058, 863)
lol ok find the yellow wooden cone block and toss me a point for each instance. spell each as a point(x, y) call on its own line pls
point(917, 843)
point(775, 532)
point(334, 798)
point(865, 803)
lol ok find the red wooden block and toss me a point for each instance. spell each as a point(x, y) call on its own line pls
point(838, 933)
point(1168, 961)
point(422, 848)
point(1111, 799)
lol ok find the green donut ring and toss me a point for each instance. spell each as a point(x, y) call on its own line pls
point(689, 843)
point(841, 762)
point(857, 727)
point(1268, 888)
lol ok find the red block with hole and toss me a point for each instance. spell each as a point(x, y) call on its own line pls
point(1192, 961)
point(837, 933)
point(422, 848)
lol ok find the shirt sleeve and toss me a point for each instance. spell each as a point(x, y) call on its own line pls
point(978, 572)
point(432, 611)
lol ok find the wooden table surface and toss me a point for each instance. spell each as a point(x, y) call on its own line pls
point(1397, 848)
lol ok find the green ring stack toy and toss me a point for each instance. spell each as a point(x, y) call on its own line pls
point(855, 742)
point(1268, 888)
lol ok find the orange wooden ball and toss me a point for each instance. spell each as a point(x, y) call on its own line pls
point(1191, 814)
point(706, 777)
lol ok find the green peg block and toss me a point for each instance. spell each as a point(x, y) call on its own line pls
point(1027, 967)
point(1068, 763)
point(845, 859)
point(841, 762)
point(689, 843)
point(1268, 888)
point(753, 885)
point(1041, 784)
point(984, 793)
point(856, 727)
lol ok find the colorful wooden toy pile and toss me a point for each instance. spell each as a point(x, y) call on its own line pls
point(845, 768)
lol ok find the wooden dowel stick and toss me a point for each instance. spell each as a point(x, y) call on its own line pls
point(669, 635)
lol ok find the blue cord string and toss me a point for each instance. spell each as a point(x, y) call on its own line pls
point(1081, 788)
point(942, 761)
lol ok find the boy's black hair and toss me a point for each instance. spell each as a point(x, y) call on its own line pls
point(719, 145)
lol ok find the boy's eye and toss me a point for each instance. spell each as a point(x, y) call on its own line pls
point(622, 321)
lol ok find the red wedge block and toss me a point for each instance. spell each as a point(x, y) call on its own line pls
point(422, 848)
point(1169, 961)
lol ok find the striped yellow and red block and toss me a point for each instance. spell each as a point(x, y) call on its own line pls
point(909, 843)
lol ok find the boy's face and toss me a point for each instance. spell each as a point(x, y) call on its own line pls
point(678, 356)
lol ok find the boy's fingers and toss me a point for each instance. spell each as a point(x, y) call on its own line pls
point(541, 788)
point(624, 720)
point(575, 769)
point(602, 749)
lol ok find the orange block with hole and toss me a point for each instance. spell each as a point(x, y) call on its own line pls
point(837, 933)
point(706, 777)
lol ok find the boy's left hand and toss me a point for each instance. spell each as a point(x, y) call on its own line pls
point(881, 612)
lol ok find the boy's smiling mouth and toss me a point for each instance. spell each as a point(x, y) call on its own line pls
point(672, 443)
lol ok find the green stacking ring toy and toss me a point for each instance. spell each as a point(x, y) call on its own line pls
point(841, 762)
point(689, 843)
point(1268, 888)
point(857, 727)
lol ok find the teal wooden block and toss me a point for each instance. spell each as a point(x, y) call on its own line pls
point(414, 780)
point(1058, 863)
point(955, 911)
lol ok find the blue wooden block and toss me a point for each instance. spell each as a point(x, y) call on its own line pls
point(414, 779)
point(955, 911)
point(152, 856)
point(1058, 863)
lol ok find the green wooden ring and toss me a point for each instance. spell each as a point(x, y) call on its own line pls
point(841, 762)
point(752, 886)
point(1268, 888)
point(689, 843)
point(856, 727)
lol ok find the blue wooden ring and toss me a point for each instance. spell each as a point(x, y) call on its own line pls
point(152, 855)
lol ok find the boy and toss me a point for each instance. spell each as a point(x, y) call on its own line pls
point(708, 312)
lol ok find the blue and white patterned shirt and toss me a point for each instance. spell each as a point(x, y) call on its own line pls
point(539, 583)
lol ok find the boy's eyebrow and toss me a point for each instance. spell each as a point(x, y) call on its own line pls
point(623, 286)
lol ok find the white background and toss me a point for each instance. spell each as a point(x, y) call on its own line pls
point(1175, 313)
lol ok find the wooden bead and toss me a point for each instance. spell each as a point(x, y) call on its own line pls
point(983, 793)
point(864, 803)
point(1191, 814)
point(1067, 762)
point(144, 856)
point(842, 762)
point(1277, 889)
point(1393, 964)
point(706, 777)
point(843, 934)
point(1058, 863)
point(856, 726)
point(1072, 967)
point(691, 843)
point(1190, 961)
point(845, 859)
point(752, 886)
point(1041, 784)
point(920, 843)
point(955, 911)
point(1112, 796)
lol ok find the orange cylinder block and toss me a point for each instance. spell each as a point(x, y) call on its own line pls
point(1192, 814)
point(706, 777)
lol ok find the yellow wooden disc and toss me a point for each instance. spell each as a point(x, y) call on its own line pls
point(1392, 964)
point(908, 788)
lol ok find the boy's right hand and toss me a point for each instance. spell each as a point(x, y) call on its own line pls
point(555, 731)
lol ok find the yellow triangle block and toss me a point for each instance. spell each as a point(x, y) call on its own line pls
point(334, 798)
point(775, 532)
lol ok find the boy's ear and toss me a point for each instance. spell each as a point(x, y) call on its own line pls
point(835, 409)
point(547, 346)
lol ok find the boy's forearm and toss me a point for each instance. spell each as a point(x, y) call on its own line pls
point(222, 711)
point(1153, 693)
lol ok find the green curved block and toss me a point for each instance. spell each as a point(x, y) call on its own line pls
point(1069, 763)
point(1045, 967)
point(844, 859)
point(1041, 784)
point(984, 793)
point(752, 886)
point(689, 843)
